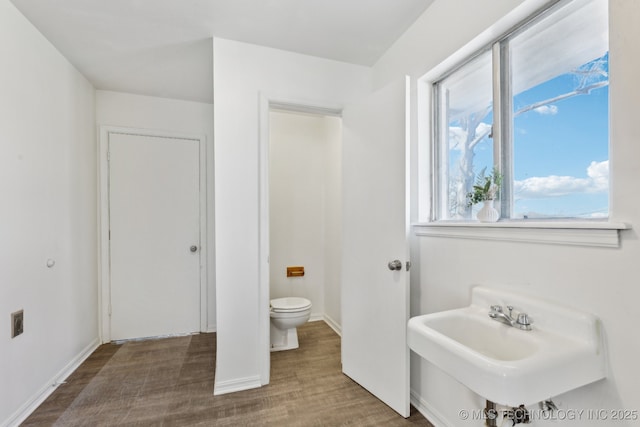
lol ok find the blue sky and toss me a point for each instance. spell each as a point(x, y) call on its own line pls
point(560, 149)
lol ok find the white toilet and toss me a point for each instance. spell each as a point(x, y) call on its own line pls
point(286, 315)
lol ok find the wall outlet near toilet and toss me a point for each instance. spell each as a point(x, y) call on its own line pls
point(17, 323)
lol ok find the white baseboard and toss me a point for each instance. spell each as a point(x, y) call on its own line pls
point(315, 317)
point(241, 384)
point(428, 411)
point(333, 324)
point(49, 387)
point(211, 328)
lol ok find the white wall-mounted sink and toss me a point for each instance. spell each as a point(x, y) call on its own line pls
point(506, 365)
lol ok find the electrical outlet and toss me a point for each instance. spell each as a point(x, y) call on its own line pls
point(17, 323)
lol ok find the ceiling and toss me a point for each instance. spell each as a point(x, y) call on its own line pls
point(164, 47)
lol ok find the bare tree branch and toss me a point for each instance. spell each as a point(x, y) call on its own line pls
point(584, 91)
point(478, 138)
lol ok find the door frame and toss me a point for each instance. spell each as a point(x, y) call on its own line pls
point(267, 102)
point(104, 261)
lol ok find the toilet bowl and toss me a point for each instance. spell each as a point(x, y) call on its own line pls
point(286, 315)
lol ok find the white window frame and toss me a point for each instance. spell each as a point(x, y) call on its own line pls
point(587, 232)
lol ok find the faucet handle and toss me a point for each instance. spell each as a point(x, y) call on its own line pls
point(496, 308)
point(524, 322)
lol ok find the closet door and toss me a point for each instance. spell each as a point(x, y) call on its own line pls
point(154, 214)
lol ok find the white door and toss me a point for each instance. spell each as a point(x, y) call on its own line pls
point(154, 214)
point(375, 299)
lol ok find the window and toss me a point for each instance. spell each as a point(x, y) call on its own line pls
point(534, 105)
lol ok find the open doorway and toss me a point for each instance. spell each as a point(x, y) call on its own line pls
point(305, 209)
point(301, 162)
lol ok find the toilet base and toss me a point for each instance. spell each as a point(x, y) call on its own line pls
point(283, 340)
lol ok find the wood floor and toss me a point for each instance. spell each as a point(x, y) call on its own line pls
point(169, 382)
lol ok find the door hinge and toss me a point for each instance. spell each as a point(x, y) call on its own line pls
point(109, 309)
point(108, 156)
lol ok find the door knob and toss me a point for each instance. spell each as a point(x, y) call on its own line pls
point(193, 248)
point(396, 264)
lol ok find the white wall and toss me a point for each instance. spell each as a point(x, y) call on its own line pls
point(302, 196)
point(242, 73)
point(186, 117)
point(48, 188)
point(333, 226)
point(602, 281)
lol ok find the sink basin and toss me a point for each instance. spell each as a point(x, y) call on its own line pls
point(490, 339)
point(563, 351)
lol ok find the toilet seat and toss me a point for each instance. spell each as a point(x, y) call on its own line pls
point(290, 305)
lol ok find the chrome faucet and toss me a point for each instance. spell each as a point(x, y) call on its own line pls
point(521, 321)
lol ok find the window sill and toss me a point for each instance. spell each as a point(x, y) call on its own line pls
point(575, 233)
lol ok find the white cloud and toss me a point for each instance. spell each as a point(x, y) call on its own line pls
point(554, 186)
point(546, 110)
point(549, 186)
point(598, 172)
point(599, 215)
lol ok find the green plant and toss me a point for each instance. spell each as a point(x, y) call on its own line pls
point(487, 187)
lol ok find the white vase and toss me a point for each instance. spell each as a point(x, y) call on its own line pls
point(487, 212)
